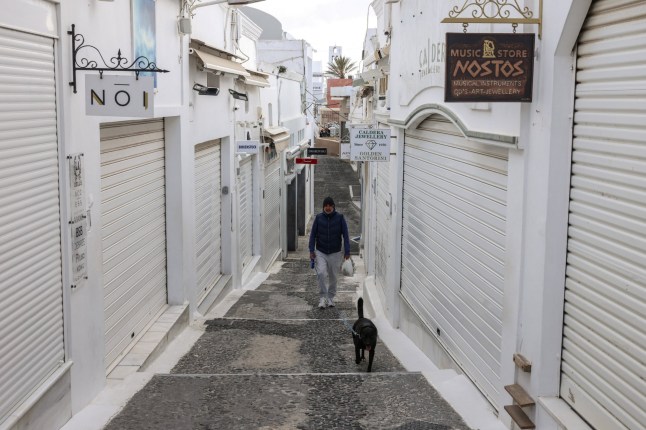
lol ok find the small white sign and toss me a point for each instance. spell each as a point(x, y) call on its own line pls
point(247, 147)
point(78, 222)
point(119, 95)
point(345, 151)
point(369, 144)
point(77, 189)
point(78, 230)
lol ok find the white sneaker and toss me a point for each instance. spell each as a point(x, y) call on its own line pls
point(322, 303)
point(330, 302)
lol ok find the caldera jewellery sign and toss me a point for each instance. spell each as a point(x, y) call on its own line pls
point(247, 146)
point(119, 95)
point(368, 144)
point(489, 67)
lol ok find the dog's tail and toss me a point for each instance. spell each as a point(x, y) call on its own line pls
point(360, 307)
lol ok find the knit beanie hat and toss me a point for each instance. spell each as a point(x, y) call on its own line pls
point(328, 201)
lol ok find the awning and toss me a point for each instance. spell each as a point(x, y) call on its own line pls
point(279, 135)
point(219, 64)
point(382, 52)
point(199, 44)
point(256, 79)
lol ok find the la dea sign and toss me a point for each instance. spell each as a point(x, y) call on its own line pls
point(489, 67)
point(119, 95)
point(247, 146)
point(368, 144)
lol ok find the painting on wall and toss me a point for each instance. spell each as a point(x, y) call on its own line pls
point(143, 32)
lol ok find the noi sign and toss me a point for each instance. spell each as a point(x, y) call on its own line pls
point(489, 67)
point(119, 95)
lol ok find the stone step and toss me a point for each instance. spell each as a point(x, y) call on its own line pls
point(376, 400)
point(232, 346)
point(153, 342)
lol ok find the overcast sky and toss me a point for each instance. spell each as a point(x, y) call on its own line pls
point(324, 23)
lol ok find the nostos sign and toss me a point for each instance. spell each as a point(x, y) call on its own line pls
point(489, 67)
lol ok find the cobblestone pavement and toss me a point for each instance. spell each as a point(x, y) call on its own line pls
point(274, 360)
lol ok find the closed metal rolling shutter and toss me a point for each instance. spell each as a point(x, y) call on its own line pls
point(272, 212)
point(245, 185)
point(207, 217)
point(604, 342)
point(31, 290)
point(133, 211)
point(453, 245)
point(382, 239)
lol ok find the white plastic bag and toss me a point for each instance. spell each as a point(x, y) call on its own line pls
point(348, 267)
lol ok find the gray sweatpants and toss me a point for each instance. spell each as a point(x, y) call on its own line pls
point(327, 269)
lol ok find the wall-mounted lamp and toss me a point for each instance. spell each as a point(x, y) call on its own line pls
point(206, 91)
point(238, 96)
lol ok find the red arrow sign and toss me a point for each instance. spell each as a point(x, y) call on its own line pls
point(306, 161)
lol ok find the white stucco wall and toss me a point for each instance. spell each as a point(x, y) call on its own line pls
point(289, 99)
point(80, 133)
point(190, 119)
point(538, 184)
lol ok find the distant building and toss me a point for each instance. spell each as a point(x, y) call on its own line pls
point(335, 52)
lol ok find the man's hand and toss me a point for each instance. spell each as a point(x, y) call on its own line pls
point(346, 256)
point(312, 255)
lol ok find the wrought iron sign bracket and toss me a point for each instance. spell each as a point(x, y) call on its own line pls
point(495, 12)
point(119, 63)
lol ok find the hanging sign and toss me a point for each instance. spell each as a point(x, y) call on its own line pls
point(119, 95)
point(78, 220)
point(247, 147)
point(316, 151)
point(306, 161)
point(489, 67)
point(368, 144)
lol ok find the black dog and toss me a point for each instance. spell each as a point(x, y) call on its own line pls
point(364, 334)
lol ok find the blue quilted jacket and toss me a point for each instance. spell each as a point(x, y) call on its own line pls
point(327, 231)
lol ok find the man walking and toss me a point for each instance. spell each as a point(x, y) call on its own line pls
point(325, 249)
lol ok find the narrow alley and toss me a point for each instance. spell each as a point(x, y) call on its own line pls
point(163, 162)
point(275, 360)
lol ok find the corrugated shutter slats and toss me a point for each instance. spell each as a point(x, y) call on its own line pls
point(246, 210)
point(208, 217)
point(382, 239)
point(453, 244)
point(604, 344)
point(272, 212)
point(31, 290)
point(133, 208)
